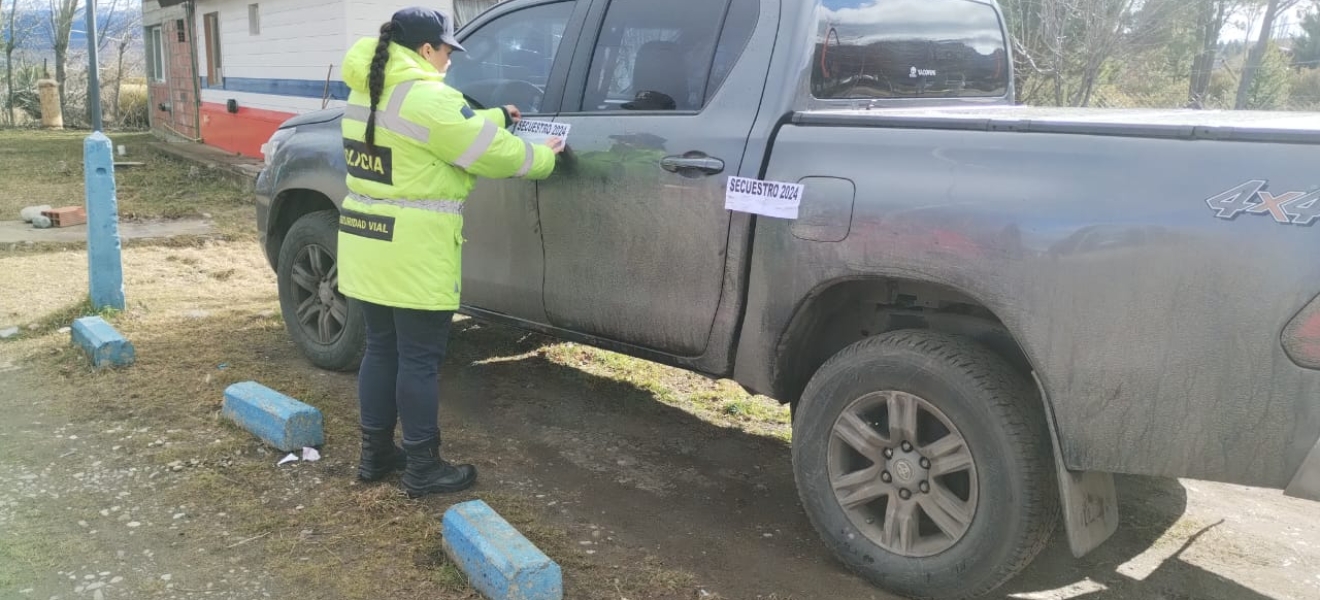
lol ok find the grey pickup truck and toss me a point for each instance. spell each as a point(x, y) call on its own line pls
point(981, 311)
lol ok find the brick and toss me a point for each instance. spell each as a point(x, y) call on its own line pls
point(499, 562)
point(102, 343)
point(276, 419)
point(66, 216)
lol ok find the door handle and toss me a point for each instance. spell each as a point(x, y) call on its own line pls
point(692, 164)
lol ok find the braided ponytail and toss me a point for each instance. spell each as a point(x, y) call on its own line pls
point(376, 79)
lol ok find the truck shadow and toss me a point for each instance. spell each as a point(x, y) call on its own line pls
point(723, 503)
point(1144, 558)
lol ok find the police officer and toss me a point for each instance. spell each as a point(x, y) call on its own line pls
point(414, 150)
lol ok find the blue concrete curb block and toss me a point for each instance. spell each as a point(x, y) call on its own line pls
point(103, 345)
point(499, 562)
point(278, 420)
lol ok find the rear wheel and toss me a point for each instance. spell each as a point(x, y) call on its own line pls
point(923, 459)
point(325, 326)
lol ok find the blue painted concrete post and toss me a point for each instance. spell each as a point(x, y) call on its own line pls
point(499, 562)
point(104, 267)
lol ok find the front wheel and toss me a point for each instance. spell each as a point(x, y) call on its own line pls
point(924, 461)
point(326, 327)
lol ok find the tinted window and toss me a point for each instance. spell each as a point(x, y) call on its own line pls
point(909, 49)
point(654, 55)
point(508, 60)
point(738, 28)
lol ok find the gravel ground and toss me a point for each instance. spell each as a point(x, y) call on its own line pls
point(81, 518)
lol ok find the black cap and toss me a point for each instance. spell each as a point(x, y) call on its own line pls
point(416, 25)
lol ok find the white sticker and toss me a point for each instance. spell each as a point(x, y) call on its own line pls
point(537, 132)
point(767, 198)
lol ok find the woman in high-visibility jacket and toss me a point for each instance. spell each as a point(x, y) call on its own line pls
point(414, 149)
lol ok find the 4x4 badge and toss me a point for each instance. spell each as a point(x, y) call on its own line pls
point(1288, 208)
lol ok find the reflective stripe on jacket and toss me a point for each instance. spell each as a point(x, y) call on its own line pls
point(401, 226)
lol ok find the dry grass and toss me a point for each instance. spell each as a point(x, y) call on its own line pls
point(38, 167)
point(722, 402)
point(161, 284)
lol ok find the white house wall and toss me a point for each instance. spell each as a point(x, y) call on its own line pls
point(299, 43)
point(365, 18)
point(282, 70)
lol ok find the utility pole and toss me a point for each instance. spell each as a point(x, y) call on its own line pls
point(93, 71)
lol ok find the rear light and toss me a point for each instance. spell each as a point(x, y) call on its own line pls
point(1301, 338)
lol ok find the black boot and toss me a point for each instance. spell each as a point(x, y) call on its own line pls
point(380, 456)
point(427, 473)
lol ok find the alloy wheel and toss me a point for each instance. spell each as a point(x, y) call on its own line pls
point(903, 473)
point(322, 311)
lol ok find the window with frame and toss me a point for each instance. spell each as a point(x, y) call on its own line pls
point(909, 49)
point(739, 26)
point(658, 56)
point(508, 60)
point(214, 64)
point(155, 54)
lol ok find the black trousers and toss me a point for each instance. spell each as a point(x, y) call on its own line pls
point(399, 380)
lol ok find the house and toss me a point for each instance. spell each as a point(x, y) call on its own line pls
point(226, 73)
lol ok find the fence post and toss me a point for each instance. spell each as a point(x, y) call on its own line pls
point(104, 267)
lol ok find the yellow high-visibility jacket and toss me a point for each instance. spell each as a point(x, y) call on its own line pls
point(401, 226)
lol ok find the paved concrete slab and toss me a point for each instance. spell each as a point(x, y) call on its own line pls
point(12, 232)
point(241, 170)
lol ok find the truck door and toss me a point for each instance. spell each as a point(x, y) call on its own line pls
point(634, 225)
point(518, 57)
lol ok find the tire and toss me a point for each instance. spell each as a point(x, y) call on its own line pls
point(308, 257)
point(976, 526)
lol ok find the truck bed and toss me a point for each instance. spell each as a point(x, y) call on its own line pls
point(1242, 126)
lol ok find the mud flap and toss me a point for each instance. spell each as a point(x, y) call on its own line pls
point(1089, 498)
point(1090, 507)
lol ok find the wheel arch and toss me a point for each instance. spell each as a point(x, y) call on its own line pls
point(843, 311)
point(288, 206)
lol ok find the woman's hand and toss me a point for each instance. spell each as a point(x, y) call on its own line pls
point(514, 113)
point(555, 144)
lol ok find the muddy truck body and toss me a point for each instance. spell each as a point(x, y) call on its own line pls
point(980, 314)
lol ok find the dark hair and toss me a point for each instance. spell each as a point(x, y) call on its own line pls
point(376, 79)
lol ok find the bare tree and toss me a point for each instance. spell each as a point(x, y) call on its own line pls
point(16, 32)
point(1063, 46)
point(1211, 18)
point(1045, 43)
point(62, 14)
point(20, 22)
point(1102, 29)
point(1257, 54)
point(9, 79)
point(122, 27)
